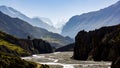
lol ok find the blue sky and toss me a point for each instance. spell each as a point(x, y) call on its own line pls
point(56, 10)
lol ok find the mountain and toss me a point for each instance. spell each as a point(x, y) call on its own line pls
point(39, 23)
point(47, 20)
point(100, 45)
point(54, 39)
point(93, 20)
point(35, 21)
point(22, 29)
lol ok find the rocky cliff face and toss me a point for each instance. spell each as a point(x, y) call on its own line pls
point(101, 44)
point(116, 63)
point(35, 46)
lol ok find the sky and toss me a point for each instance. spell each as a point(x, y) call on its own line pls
point(59, 11)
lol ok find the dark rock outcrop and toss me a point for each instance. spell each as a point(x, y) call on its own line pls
point(116, 63)
point(35, 46)
point(69, 47)
point(42, 46)
point(101, 44)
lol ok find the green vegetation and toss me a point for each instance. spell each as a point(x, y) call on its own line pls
point(10, 61)
point(22, 47)
point(12, 47)
point(5, 41)
point(8, 51)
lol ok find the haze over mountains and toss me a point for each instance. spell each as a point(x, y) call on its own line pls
point(22, 29)
point(86, 21)
point(93, 20)
point(38, 22)
point(43, 28)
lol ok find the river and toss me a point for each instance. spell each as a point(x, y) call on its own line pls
point(63, 60)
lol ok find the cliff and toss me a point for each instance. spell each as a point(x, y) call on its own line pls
point(100, 44)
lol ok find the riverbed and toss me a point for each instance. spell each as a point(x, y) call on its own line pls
point(64, 60)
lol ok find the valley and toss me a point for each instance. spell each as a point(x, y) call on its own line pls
point(89, 40)
point(64, 60)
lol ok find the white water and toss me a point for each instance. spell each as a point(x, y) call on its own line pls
point(68, 66)
point(64, 65)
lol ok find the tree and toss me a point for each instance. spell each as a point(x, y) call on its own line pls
point(28, 37)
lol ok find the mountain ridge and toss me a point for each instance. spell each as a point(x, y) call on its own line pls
point(22, 29)
point(16, 14)
point(92, 20)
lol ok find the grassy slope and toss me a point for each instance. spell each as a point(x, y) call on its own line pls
point(10, 46)
point(10, 61)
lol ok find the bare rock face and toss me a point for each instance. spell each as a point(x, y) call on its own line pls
point(35, 46)
point(81, 48)
point(101, 44)
point(116, 63)
point(42, 46)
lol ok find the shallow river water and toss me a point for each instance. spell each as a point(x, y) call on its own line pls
point(63, 60)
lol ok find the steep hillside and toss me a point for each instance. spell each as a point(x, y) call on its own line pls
point(10, 61)
point(22, 47)
point(101, 44)
point(93, 20)
point(22, 29)
point(35, 22)
point(54, 39)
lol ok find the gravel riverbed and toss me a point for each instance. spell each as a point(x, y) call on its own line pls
point(63, 60)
